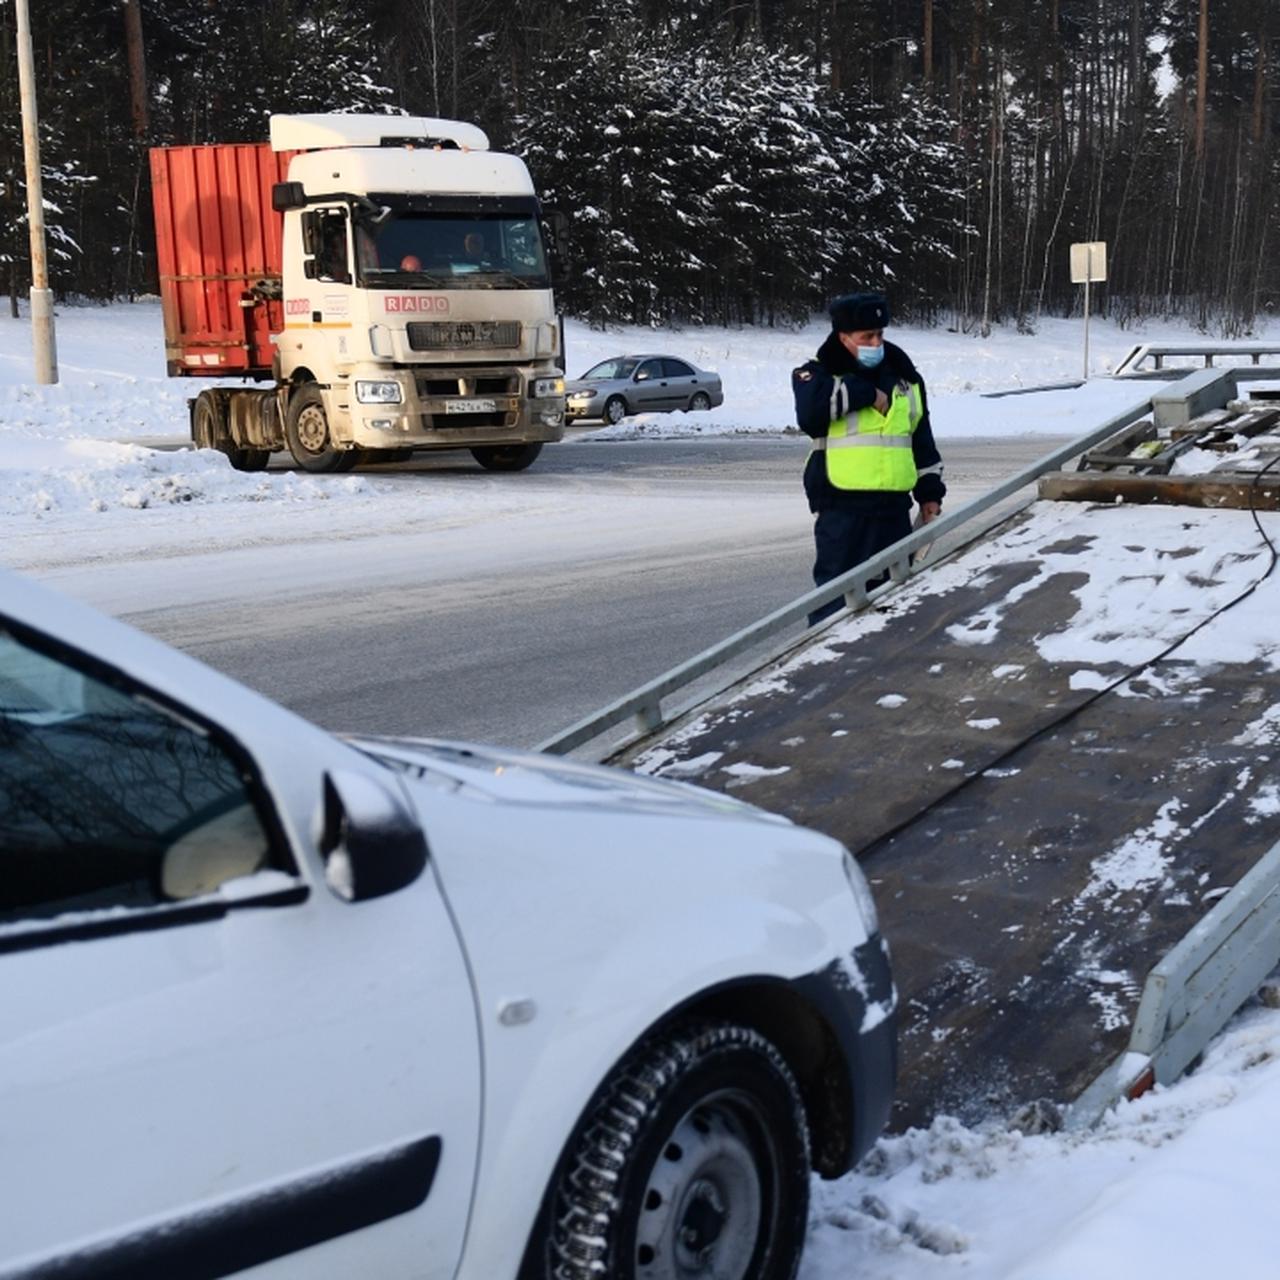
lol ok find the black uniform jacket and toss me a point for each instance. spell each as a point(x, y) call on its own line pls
point(813, 384)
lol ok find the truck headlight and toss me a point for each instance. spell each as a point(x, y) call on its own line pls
point(861, 893)
point(378, 392)
point(547, 388)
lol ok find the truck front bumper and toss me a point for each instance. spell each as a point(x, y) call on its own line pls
point(402, 427)
point(456, 408)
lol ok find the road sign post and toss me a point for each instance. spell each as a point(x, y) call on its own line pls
point(1088, 263)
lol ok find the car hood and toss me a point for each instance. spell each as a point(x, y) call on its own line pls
point(584, 384)
point(530, 778)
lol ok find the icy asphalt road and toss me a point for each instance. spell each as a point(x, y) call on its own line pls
point(618, 561)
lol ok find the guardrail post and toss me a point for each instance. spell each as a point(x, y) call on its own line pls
point(649, 716)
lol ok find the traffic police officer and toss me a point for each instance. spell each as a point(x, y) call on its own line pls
point(863, 403)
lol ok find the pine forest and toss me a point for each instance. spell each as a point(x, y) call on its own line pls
point(722, 161)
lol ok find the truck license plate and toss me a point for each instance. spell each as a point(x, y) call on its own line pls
point(470, 406)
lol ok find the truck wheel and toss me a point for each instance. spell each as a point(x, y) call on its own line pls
point(306, 428)
point(693, 1162)
point(700, 401)
point(615, 409)
point(209, 431)
point(506, 457)
point(247, 459)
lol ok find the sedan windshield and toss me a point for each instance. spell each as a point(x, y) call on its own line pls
point(452, 251)
point(620, 367)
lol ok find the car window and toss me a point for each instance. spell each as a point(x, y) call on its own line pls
point(650, 369)
point(109, 800)
point(606, 369)
point(676, 369)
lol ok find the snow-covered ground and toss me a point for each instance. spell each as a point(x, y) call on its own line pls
point(1177, 1184)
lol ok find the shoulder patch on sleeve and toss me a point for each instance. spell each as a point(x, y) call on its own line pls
point(803, 374)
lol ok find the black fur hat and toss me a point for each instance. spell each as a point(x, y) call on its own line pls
point(856, 311)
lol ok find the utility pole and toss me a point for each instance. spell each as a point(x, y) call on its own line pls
point(46, 357)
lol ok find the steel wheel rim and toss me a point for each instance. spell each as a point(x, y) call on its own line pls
point(313, 430)
point(705, 1200)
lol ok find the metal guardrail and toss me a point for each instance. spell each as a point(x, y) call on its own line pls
point(645, 704)
point(1148, 359)
point(1195, 991)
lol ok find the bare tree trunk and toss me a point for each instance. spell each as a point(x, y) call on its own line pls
point(1202, 76)
point(137, 67)
point(1260, 82)
point(928, 44)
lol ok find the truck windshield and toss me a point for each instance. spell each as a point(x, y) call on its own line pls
point(452, 251)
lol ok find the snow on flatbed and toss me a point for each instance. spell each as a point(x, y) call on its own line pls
point(1051, 755)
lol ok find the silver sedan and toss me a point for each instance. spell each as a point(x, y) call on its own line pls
point(641, 384)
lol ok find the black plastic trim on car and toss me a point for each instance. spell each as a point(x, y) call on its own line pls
point(872, 1054)
point(33, 933)
point(270, 1222)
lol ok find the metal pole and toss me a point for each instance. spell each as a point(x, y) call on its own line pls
point(46, 358)
point(1088, 275)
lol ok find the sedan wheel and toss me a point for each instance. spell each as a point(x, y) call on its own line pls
point(700, 401)
point(694, 1165)
point(615, 409)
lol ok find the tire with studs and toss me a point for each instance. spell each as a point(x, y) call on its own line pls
point(693, 1162)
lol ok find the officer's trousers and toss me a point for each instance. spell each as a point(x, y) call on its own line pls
point(846, 536)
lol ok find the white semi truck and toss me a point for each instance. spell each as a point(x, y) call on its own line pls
point(388, 276)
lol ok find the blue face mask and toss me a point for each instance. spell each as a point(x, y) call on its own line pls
point(870, 357)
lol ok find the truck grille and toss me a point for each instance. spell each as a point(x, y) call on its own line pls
point(482, 384)
point(472, 335)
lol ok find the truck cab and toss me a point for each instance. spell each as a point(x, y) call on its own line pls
point(417, 289)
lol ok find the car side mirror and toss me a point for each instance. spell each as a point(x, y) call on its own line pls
point(371, 841)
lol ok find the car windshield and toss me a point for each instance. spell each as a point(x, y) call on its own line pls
point(452, 251)
point(620, 367)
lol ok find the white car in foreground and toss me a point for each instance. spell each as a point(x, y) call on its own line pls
point(274, 1001)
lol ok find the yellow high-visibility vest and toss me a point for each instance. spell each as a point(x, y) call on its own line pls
point(870, 450)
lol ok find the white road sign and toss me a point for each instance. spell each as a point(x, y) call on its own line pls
point(1088, 261)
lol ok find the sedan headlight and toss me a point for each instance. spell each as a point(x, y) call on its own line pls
point(581, 394)
point(547, 388)
point(861, 893)
point(378, 392)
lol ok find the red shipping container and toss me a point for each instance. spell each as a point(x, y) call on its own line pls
point(218, 246)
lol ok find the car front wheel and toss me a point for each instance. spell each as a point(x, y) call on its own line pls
point(615, 409)
point(693, 1163)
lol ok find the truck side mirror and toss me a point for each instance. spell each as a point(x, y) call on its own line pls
point(288, 195)
point(311, 233)
point(555, 224)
